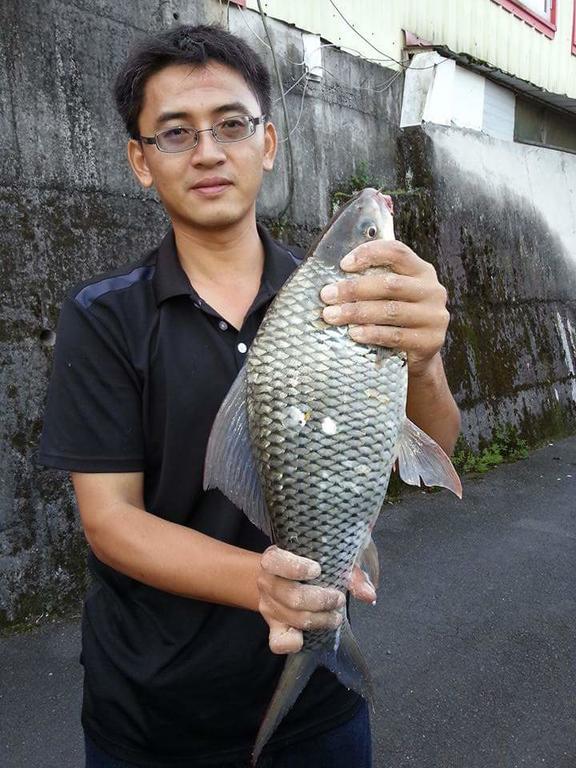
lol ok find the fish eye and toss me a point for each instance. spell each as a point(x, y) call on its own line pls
point(371, 231)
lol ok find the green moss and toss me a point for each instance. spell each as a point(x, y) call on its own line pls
point(554, 421)
point(51, 597)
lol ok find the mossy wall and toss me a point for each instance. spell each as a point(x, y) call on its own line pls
point(69, 209)
point(499, 222)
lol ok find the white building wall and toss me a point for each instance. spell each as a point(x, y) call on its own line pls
point(480, 28)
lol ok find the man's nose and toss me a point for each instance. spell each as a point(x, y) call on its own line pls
point(208, 151)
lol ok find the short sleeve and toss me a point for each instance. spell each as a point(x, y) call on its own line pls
point(92, 420)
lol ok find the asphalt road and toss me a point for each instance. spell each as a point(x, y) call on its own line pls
point(472, 642)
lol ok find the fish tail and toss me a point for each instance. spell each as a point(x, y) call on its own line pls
point(297, 671)
point(346, 662)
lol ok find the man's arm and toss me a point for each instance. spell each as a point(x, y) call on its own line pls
point(185, 562)
point(159, 553)
point(431, 406)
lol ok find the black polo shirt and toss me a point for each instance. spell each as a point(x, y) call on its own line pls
point(141, 367)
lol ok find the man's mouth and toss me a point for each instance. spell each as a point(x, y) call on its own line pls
point(212, 185)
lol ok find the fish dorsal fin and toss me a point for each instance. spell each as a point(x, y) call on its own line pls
point(420, 458)
point(230, 464)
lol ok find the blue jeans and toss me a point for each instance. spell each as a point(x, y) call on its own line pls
point(347, 745)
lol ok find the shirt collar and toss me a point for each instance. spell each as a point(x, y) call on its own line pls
point(171, 280)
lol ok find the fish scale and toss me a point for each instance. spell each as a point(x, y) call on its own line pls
point(323, 491)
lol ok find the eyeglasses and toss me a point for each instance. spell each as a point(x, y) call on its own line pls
point(183, 137)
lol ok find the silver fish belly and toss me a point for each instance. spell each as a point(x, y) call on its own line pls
point(324, 415)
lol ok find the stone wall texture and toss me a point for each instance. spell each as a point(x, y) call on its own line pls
point(497, 219)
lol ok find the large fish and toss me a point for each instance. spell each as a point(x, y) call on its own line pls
point(308, 435)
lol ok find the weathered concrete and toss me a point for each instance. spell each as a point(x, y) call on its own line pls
point(69, 208)
point(499, 221)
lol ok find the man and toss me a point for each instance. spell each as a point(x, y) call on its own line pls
point(186, 621)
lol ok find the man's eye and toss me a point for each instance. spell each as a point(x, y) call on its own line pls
point(174, 133)
point(234, 122)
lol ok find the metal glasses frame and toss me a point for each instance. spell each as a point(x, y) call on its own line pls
point(254, 121)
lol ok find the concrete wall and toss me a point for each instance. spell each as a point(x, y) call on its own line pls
point(69, 208)
point(499, 220)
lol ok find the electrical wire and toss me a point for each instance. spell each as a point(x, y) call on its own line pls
point(285, 110)
point(379, 88)
point(294, 84)
point(243, 13)
point(287, 138)
point(382, 53)
point(387, 56)
point(376, 89)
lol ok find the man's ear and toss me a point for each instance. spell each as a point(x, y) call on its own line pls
point(138, 163)
point(270, 146)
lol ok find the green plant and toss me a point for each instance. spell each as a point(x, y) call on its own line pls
point(361, 179)
point(279, 228)
point(505, 446)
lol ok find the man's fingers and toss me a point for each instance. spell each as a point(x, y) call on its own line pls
point(399, 288)
point(273, 610)
point(284, 639)
point(375, 312)
point(305, 597)
point(386, 285)
point(279, 562)
point(389, 253)
point(410, 340)
point(291, 607)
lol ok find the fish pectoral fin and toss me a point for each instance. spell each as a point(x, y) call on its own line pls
point(421, 458)
point(230, 464)
point(369, 561)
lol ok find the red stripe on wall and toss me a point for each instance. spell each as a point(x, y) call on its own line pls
point(540, 23)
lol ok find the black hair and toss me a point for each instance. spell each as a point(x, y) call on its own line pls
point(186, 45)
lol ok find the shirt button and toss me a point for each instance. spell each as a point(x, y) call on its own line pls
point(242, 347)
point(223, 325)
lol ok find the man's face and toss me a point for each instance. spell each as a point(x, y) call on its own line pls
point(195, 97)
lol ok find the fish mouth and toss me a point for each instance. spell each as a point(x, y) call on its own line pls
point(384, 201)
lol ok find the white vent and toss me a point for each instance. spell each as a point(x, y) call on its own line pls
point(499, 108)
point(313, 55)
point(436, 90)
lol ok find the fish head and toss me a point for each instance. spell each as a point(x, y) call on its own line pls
point(366, 216)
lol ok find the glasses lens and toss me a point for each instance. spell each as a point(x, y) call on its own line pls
point(176, 139)
point(234, 128)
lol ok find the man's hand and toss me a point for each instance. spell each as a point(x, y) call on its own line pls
point(402, 309)
point(289, 607)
